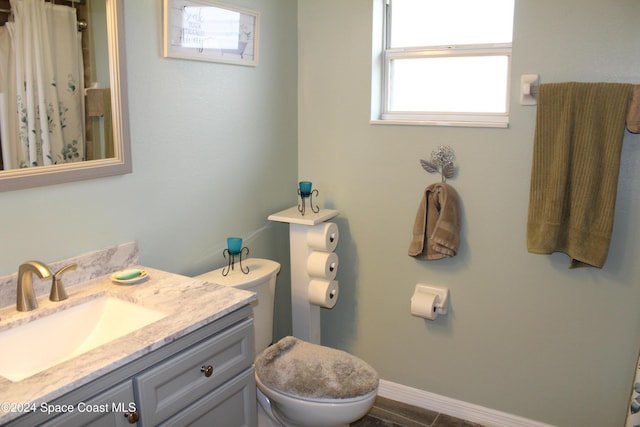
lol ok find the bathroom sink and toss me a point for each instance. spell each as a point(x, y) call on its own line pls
point(33, 347)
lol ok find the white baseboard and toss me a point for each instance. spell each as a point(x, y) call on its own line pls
point(455, 408)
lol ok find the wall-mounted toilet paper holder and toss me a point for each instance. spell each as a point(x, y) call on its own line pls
point(429, 301)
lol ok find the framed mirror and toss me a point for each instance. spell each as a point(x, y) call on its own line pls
point(117, 160)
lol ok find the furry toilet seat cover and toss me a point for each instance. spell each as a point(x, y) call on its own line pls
point(313, 371)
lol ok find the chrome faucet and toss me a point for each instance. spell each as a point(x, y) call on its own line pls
point(26, 298)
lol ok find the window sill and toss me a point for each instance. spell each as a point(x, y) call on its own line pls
point(501, 125)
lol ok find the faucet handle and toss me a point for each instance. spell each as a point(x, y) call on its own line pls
point(57, 290)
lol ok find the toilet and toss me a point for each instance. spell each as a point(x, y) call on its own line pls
point(299, 383)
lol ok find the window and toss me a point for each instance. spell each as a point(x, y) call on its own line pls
point(444, 62)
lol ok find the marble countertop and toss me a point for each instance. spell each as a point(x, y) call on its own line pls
point(189, 303)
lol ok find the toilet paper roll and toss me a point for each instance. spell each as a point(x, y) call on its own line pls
point(323, 292)
point(323, 237)
point(423, 304)
point(323, 265)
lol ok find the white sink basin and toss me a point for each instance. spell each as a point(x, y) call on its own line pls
point(47, 341)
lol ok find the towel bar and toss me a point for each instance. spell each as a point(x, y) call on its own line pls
point(529, 89)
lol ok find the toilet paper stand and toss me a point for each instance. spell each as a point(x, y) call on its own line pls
point(305, 316)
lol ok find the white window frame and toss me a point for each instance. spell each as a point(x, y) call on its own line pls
point(381, 78)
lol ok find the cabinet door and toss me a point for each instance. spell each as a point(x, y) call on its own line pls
point(108, 409)
point(232, 405)
point(172, 385)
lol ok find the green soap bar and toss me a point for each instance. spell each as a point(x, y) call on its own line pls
point(128, 274)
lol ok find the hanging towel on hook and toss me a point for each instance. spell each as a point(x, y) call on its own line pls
point(574, 174)
point(633, 111)
point(437, 226)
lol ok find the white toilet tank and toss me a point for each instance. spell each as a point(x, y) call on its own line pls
point(261, 279)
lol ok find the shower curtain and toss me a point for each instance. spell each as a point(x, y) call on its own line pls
point(633, 411)
point(41, 85)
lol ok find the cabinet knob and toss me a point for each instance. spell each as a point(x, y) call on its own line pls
point(132, 417)
point(207, 370)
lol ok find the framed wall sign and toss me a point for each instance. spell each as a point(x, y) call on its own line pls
point(205, 30)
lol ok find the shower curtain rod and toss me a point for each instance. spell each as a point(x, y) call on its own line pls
point(52, 1)
point(82, 23)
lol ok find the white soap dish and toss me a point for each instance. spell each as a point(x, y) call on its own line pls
point(129, 277)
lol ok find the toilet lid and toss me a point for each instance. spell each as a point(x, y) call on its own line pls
point(313, 371)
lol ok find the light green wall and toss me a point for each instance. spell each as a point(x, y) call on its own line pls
point(524, 334)
point(214, 153)
point(215, 149)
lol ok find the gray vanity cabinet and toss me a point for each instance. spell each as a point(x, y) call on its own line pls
point(232, 405)
point(94, 411)
point(204, 378)
point(170, 386)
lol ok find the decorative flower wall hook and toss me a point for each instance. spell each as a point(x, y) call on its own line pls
point(441, 161)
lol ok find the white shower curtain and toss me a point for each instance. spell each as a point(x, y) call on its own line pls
point(633, 411)
point(42, 85)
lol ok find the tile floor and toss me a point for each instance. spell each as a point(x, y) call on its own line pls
point(389, 413)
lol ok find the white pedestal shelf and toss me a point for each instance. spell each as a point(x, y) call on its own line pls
point(305, 316)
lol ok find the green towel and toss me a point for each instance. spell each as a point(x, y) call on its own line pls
point(574, 175)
